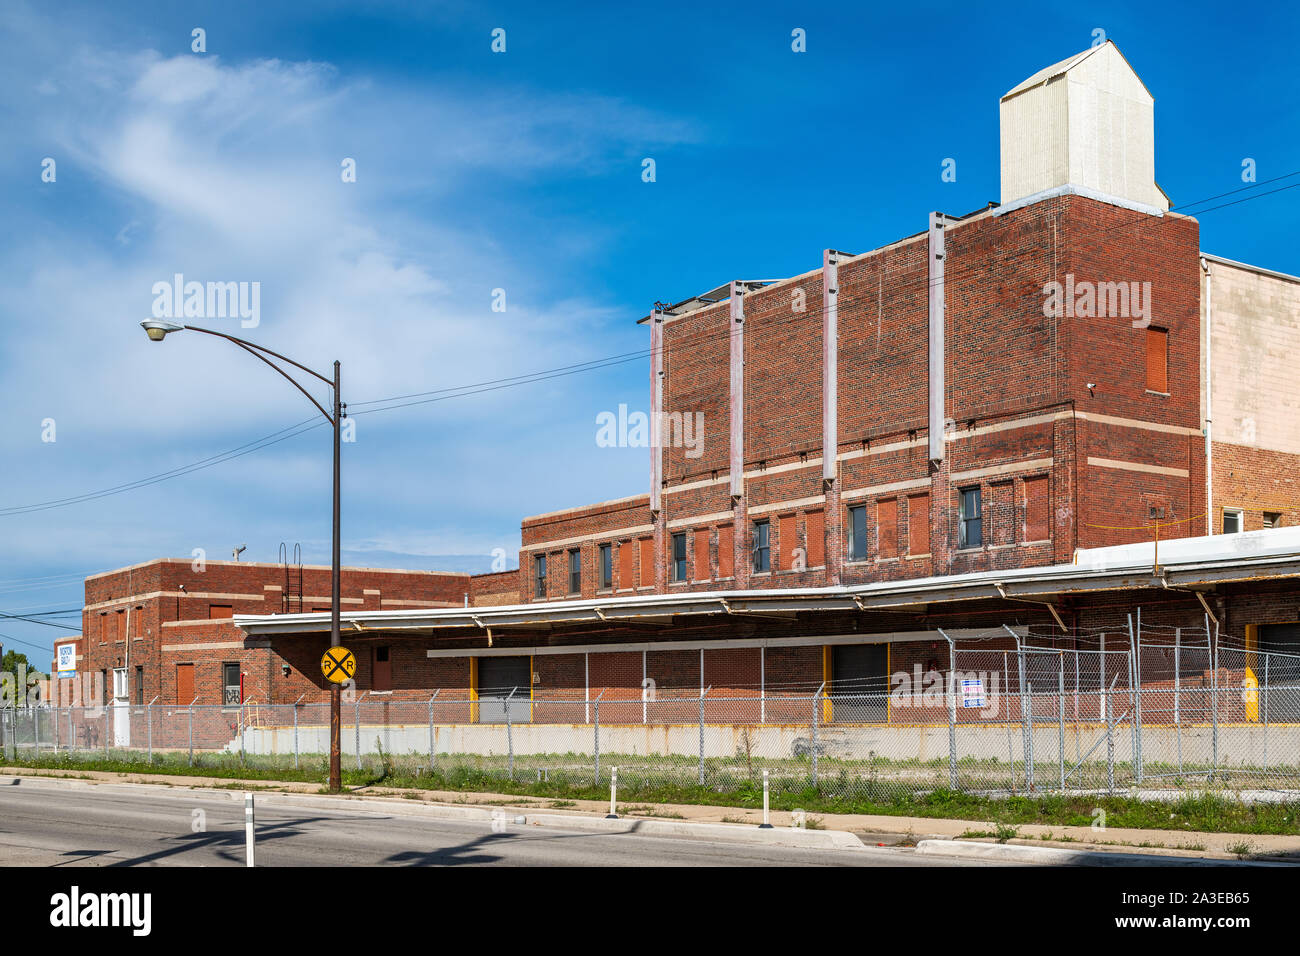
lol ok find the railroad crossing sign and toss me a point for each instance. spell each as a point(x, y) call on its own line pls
point(338, 665)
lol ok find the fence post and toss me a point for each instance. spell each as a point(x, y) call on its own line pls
point(1110, 737)
point(191, 709)
point(1178, 690)
point(510, 740)
point(1214, 692)
point(433, 743)
point(356, 727)
point(55, 712)
point(702, 738)
point(148, 716)
point(1135, 683)
point(1011, 750)
point(1060, 713)
point(241, 733)
point(816, 719)
point(1266, 660)
point(72, 734)
point(106, 710)
point(952, 710)
point(596, 729)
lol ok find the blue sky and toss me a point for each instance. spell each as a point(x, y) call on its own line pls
point(477, 171)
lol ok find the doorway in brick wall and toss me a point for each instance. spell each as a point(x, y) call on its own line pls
point(500, 678)
point(859, 683)
point(381, 668)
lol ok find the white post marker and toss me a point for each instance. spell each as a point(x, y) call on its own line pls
point(248, 827)
point(766, 824)
point(613, 794)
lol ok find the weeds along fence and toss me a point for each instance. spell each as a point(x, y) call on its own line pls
point(1015, 718)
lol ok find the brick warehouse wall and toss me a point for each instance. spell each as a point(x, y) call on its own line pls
point(1059, 464)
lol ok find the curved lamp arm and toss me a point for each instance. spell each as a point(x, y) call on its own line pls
point(260, 352)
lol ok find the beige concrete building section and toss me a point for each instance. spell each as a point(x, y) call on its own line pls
point(1254, 328)
point(1087, 121)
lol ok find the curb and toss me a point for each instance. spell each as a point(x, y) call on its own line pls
point(1056, 856)
point(726, 832)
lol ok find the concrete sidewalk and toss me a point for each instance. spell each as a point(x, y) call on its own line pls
point(871, 829)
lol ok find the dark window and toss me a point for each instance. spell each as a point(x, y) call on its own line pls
point(575, 572)
point(858, 533)
point(679, 556)
point(970, 527)
point(139, 685)
point(762, 546)
point(1272, 519)
point(1231, 521)
point(539, 576)
point(606, 566)
point(231, 695)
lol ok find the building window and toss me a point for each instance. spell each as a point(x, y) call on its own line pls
point(381, 671)
point(539, 576)
point(606, 566)
point(139, 685)
point(970, 526)
point(679, 556)
point(231, 695)
point(1272, 519)
point(858, 533)
point(1231, 520)
point(1157, 360)
point(575, 572)
point(218, 611)
point(762, 546)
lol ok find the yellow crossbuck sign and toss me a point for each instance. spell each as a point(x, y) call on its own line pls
point(338, 665)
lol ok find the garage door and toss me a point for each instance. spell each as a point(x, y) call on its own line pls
point(859, 682)
point(497, 677)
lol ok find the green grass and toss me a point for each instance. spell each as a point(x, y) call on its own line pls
point(1208, 812)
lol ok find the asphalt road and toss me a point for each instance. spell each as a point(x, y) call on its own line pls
point(48, 824)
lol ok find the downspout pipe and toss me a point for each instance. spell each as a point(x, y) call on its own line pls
point(1209, 398)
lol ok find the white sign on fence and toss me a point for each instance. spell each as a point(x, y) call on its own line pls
point(972, 693)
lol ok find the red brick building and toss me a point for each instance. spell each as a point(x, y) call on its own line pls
point(164, 629)
point(910, 443)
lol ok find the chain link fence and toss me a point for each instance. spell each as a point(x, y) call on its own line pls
point(1002, 718)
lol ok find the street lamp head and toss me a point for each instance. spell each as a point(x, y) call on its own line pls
point(156, 330)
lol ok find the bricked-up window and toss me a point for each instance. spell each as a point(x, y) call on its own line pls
point(815, 531)
point(1036, 509)
point(788, 539)
point(887, 528)
point(726, 552)
point(626, 565)
point(1231, 520)
point(381, 671)
point(762, 546)
point(218, 611)
point(104, 624)
point(858, 533)
point(575, 571)
point(1157, 360)
point(606, 566)
point(647, 562)
point(702, 554)
point(679, 556)
point(539, 576)
point(918, 524)
point(970, 519)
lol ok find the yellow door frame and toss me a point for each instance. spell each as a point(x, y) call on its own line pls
point(473, 690)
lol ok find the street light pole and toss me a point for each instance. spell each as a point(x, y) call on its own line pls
point(336, 690)
point(157, 331)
